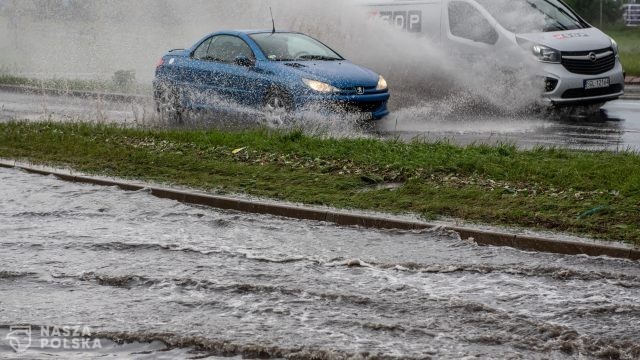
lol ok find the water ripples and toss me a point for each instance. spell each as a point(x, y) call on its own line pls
point(143, 270)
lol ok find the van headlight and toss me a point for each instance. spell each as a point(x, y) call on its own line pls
point(320, 86)
point(382, 84)
point(546, 54)
point(614, 45)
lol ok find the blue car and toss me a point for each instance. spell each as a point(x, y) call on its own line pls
point(274, 71)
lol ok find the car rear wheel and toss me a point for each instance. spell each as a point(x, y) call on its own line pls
point(168, 105)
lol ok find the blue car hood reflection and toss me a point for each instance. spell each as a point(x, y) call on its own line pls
point(342, 74)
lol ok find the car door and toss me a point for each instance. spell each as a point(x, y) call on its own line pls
point(231, 79)
point(200, 77)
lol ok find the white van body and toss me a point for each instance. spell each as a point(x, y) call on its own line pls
point(580, 63)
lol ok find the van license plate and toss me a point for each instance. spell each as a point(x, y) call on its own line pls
point(596, 83)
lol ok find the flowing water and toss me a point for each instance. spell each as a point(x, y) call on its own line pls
point(154, 278)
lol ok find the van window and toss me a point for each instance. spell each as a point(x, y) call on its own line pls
point(465, 21)
point(530, 16)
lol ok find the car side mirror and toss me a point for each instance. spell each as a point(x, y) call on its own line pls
point(243, 61)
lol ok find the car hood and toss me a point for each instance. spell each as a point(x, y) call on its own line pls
point(342, 74)
point(571, 40)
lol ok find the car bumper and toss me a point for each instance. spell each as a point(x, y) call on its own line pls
point(373, 106)
point(569, 89)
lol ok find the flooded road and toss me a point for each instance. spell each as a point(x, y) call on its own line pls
point(616, 127)
point(198, 281)
point(37, 107)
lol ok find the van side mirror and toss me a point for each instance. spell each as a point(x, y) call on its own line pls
point(243, 61)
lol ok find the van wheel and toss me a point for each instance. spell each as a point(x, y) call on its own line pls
point(278, 102)
point(168, 105)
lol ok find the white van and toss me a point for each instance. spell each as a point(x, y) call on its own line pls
point(580, 63)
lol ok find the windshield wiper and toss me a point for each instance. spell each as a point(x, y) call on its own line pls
point(318, 57)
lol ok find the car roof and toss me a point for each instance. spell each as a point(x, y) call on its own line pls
point(254, 31)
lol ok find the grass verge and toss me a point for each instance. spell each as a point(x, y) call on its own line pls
point(586, 193)
point(628, 39)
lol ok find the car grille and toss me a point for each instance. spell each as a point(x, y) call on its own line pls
point(582, 93)
point(581, 62)
point(354, 90)
point(369, 106)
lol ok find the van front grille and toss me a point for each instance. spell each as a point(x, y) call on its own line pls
point(589, 62)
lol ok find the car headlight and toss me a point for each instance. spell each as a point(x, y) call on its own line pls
point(546, 54)
point(382, 84)
point(614, 45)
point(320, 86)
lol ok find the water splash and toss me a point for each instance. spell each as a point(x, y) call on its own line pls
point(95, 39)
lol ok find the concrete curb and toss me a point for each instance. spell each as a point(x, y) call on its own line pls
point(481, 237)
point(75, 93)
point(631, 91)
point(632, 80)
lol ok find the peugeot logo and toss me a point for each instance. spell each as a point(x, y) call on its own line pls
point(360, 90)
point(593, 57)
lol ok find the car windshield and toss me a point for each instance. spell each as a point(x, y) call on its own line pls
point(293, 47)
point(529, 16)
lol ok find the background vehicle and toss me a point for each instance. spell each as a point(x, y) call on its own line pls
point(579, 63)
point(277, 71)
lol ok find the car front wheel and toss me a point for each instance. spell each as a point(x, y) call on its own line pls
point(277, 104)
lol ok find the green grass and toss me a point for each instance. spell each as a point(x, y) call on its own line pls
point(628, 40)
point(588, 193)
